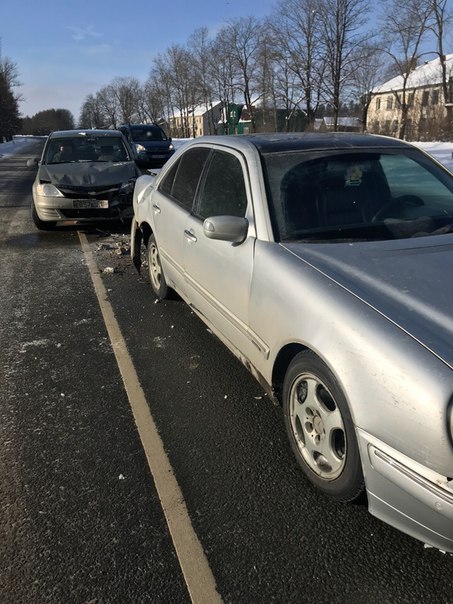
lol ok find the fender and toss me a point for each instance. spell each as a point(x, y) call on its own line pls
point(136, 244)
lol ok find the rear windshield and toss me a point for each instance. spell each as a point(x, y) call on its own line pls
point(86, 149)
point(358, 196)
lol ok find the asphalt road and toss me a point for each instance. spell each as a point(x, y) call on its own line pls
point(81, 518)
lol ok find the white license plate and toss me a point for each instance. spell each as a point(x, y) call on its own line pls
point(158, 156)
point(79, 204)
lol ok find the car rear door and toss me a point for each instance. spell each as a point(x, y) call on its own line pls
point(171, 205)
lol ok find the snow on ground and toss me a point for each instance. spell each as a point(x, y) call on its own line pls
point(12, 147)
point(443, 152)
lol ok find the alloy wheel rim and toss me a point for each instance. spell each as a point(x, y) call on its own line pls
point(317, 426)
point(155, 268)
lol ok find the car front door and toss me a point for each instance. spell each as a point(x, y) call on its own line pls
point(218, 273)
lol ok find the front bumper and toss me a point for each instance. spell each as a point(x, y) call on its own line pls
point(407, 495)
point(153, 159)
point(51, 209)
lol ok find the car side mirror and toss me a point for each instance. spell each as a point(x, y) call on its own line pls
point(226, 228)
point(33, 162)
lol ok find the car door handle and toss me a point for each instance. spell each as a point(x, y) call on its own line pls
point(190, 235)
point(156, 208)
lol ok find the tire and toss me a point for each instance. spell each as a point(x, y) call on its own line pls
point(156, 273)
point(320, 428)
point(42, 225)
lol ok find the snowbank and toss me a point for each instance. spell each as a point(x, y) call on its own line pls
point(12, 147)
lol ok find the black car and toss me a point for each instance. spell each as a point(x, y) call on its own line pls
point(152, 145)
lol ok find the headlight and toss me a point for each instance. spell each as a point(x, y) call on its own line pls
point(48, 190)
point(170, 147)
point(139, 147)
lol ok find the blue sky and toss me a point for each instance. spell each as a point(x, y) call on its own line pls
point(67, 49)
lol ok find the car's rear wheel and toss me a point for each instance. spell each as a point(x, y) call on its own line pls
point(156, 273)
point(320, 428)
point(42, 225)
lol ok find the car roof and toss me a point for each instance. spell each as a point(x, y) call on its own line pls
point(141, 126)
point(306, 141)
point(81, 133)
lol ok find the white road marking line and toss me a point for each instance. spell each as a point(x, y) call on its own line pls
point(192, 559)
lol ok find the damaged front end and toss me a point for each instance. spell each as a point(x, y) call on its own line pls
point(97, 202)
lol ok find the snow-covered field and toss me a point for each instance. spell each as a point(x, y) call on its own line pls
point(443, 152)
point(12, 147)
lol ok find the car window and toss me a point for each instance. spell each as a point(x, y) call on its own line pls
point(360, 196)
point(86, 149)
point(405, 177)
point(166, 184)
point(182, 180)
point(223, 191)
point(143, 134)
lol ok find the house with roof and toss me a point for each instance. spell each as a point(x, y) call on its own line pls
point(196, 121)
point(344, 124)
point(236, 119)
point(428, 113)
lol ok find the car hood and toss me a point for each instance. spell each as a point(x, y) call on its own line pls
point(91, 174)
point(408, 281)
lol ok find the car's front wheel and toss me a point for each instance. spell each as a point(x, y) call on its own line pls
point(42, 225)
point(320, 428)
point(156, 273)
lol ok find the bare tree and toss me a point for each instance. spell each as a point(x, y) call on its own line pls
point(152, 102)
point(265, 85)
point(406, 27)
point(243, 38)
point(127, 92)
point(92, 115)
point(10, 72)
point(200, 47)
point(224, 74)
point(295, 28)
point(160, 80)
point(369, 72)
point(108, 103)
point(176, 70)
point(441, 20)
point(342, 38)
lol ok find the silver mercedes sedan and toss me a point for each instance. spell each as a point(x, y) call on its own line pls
point(322, 262)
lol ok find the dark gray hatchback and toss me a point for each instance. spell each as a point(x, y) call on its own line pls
point(150, 142)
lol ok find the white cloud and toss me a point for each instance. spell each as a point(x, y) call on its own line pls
point(81, 33)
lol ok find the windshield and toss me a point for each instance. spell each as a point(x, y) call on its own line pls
point(86, 149)
point(143, 134)
point(358, 196)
